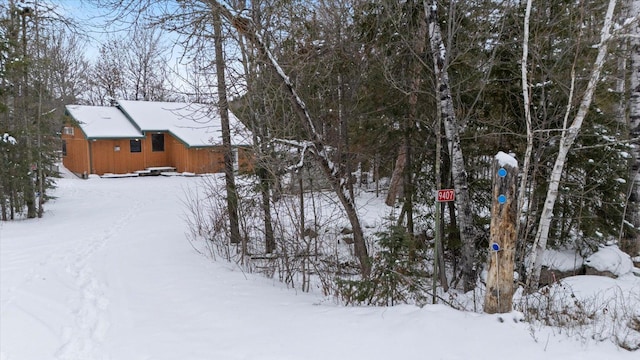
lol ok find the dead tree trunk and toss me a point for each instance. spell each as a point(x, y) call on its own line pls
point(503, 233)
point(395, 186)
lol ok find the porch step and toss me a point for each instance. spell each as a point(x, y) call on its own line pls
point(155, 171)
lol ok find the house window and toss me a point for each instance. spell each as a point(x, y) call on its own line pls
point(64, 148)
point(157, 142)
point(67, 130)
point(135, 146)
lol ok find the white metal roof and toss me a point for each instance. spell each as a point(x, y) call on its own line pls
point(194, 124)
point(103, 122)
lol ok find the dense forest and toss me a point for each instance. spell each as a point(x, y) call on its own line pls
point(397, 97)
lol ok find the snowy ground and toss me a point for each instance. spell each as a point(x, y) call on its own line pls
point(108, 274)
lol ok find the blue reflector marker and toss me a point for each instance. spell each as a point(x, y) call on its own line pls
point(502, 172)
point(495, 247)
point(502, 199)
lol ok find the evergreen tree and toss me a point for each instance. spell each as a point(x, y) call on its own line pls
point(32, 102)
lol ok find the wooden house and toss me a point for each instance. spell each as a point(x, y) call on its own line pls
point(142, 136)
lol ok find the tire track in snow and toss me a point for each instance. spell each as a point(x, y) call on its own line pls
point(83, 340)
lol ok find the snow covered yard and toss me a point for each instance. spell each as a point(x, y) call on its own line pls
point(108, 274)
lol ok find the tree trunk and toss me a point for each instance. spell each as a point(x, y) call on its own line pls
point(569, 135)
point(416, 81)
point(29, 189)
point(395, 187)
point(438, 244)
point(223, 108)
point(503, 233)
point(270, 242)
point(3, 202)
point(402, 176)
point(527, 115)
point(443, 93)
point(631, 238)
point(259, 128)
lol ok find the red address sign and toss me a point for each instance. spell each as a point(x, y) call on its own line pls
point(446, 195)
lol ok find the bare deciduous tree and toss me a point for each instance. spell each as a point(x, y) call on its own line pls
point(315, 146)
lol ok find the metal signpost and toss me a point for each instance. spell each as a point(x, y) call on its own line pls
point(442, 195)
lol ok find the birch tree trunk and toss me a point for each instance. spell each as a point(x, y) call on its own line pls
point(451, 126)
point(527, 115)
point(632, 238)
point(569, 135)
point(317, 147)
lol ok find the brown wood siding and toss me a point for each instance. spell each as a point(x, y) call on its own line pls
point(211, 160)
point(196, 160)
point(77, 158)
point(245, 160)
point(179, 155)
point(115, 156)
point(206, 160)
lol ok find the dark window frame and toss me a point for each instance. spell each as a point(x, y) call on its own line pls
point(135, 146)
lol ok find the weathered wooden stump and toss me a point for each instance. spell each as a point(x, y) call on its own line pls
point(502, 242)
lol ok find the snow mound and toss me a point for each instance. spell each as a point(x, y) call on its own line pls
point(611, 259)
point(562, 260)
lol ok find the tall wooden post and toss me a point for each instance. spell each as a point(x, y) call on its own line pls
point(502, 242)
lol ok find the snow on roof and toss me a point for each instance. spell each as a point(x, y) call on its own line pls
point(194, 124)
point(103, 122)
